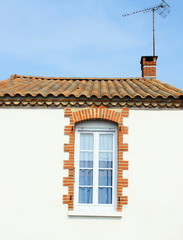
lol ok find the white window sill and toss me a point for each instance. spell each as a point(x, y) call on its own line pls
point(95, 213)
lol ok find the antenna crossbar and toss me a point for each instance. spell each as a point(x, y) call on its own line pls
point(142, 11)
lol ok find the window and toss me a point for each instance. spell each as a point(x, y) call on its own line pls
point(95, 162)
point(96, 166)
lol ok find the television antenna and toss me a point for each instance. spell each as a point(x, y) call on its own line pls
point(162, 9)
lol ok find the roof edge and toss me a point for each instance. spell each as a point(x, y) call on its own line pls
point(15, 76)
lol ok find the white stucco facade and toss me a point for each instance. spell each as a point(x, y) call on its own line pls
point(31, 176)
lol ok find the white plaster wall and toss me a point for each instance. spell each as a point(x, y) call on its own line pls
point(31, 172)
point(155, 190)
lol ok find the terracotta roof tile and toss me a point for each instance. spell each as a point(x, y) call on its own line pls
point(87, 87)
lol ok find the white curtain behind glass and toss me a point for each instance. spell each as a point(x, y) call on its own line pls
point(86, 168)
point(105, 168)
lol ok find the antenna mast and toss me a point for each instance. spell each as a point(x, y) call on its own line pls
point(162, 9)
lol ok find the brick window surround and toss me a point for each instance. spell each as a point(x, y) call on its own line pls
point(76, 116)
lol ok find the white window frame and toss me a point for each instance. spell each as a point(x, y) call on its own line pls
point(96, 128)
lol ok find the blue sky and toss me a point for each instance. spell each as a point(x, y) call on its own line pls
point(88, 38)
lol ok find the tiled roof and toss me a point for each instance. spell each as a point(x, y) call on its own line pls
point(87, 87)
point(27, 91)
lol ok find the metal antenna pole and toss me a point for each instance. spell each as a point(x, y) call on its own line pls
point(162, 9)
point(154, 47)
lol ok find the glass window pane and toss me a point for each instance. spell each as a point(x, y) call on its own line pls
point(86, 159)
point(105, 160)
point(85, 195)
point(86, 177)
point(106, 142)
point(86, 141)
point(105, 196)
point(105, 177)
